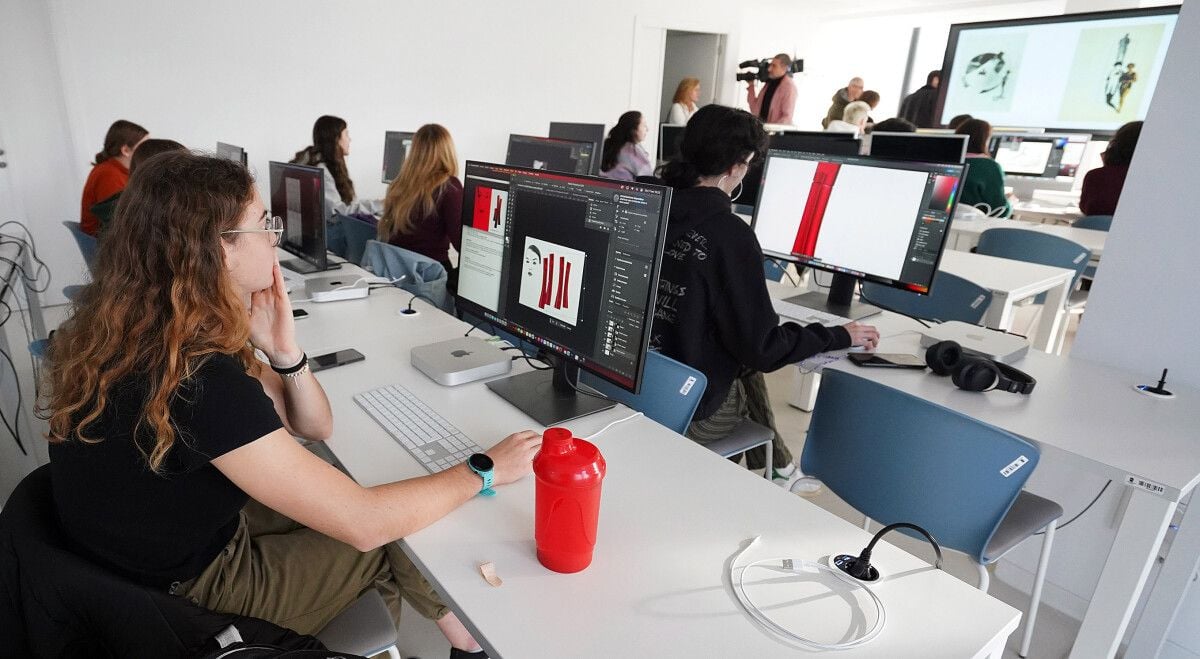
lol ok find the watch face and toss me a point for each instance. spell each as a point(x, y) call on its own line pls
point(480, 462)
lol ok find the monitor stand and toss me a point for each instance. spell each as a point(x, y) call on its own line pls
point(840, 300)
point(305, 268)
point(547, 396)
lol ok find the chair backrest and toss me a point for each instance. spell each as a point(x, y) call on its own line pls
point(422, 275)
point(1094, 222)
point(898, 458)
point(772, 270)
point(87, 243)
point(1035, 247)
point(357, 234)
point(670, 391)
point(950, 298)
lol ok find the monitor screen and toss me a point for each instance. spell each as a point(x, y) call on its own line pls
point(1040, 155)
point(670, 136)
point(593, 133)
point(841, 144)
point(915, 147)
point(880, 220)
point(1090, 72)
point(298, 196)
point(549, 154)
point(231, 152)
point(395, 148)
point(569, 263)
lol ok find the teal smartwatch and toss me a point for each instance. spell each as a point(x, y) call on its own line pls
point(481, 464)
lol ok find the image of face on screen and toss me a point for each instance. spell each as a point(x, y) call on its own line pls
point(986, 70)
point(551, 279)
point(1110, 71)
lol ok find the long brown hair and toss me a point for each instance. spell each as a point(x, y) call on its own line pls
point(327, 130)
point(160, 301)
point(978, 132)
point(683, 93)
point(430, 162)
point(120, 133)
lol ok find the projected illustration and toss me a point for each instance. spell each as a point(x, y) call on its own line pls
point(551, 278)
point(1111, 71)
point(986, 71)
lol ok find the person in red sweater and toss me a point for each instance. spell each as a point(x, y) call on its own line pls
point(1102, 186)
point(110, 172)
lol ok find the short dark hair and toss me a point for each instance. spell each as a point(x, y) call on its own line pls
point(895, 125)
point(150, 148)
point(785, 60)
point(978, 133)
point(933, 74)
point(958, 120)
point(870, 97)
point(715, 139)
point(1124, 142)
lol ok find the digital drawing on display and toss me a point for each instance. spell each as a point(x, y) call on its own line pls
point(551, 279)
point(814, 208)
point(1104, 80)
point(292, 223)
point(986, 70)
point(491, 210)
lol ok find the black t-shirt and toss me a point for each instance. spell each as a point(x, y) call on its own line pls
point(160, 528)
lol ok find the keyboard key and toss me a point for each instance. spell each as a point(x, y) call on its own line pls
point(426, 435)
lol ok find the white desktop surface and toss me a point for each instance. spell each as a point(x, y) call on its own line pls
point(672, 516)
point(964, 234)
point(1049, 207)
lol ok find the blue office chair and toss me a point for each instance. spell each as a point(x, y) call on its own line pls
point(773, 271)
point(670, 393)
point(357, 233)
point(87, 243)
point(910, 460)
point(335, 236)
point(423, 276)
point(950, 298)
point(1094, 222)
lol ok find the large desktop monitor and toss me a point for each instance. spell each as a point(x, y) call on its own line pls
point(592, 133)
point(569, 264)
point(1038, 161)
point(858, 217)
point(552, 155)
point(670, 136)
point(231, 152)
point(916, 147)
point(844, 144)
point(298, 196)
point(395, 149)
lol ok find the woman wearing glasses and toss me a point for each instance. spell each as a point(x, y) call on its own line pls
point(172, 455)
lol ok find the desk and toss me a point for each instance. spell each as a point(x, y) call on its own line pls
point(673, 514)
point(964, 234)
point(1049, 207)
point(1088, 414)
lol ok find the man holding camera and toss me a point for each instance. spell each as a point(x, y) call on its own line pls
point(777, 99)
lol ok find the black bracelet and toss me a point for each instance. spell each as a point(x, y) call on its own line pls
point(292, 369)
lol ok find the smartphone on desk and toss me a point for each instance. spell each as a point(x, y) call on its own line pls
point(299, 313)
point(886, 360)
point(332, 359)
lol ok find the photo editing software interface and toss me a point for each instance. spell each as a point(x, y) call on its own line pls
point(395, 148)
point(880, 220)
point(1040, 155)
point(550, 154)
point(567, 263)
point(297, 196)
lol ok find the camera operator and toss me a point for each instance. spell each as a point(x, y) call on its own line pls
point(777, 99)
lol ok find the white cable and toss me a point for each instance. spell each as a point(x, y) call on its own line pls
point(807, 566)
point(601, 431)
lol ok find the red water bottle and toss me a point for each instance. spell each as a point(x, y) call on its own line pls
point(569, 473)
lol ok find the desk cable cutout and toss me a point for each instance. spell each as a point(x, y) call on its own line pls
point(623, 420)
point(737, 579)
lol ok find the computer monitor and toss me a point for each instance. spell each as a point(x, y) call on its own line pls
point(552, 155)
point(593, 133)
point(843, 144)
point(231, 152)
point(1038, 161)
point(858, 217)
point(915, 147)
point(670, 136)
point(568, 263)
point(395, 148)
point(298, 196)
point(1091, 159)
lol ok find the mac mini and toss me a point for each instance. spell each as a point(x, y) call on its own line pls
point(993, 344)
point(337, 287)
point(459, 361)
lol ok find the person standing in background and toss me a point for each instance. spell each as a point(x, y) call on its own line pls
point(687, 95)
point(110, 171)
point(776, 102)
point(918, 107)
point(843, 97)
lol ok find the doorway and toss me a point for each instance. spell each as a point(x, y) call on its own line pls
point(691, 55)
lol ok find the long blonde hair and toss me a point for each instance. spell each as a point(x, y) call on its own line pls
point(430, 162)
point(683, 93)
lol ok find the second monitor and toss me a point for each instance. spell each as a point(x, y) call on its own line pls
point(550, 154)
point(591, 133)
point(395, 149)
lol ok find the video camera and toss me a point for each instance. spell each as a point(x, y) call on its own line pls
point(760, 69)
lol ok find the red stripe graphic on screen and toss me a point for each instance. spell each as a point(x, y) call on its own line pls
point(483, 203)
point(499, 210)
point(556, 283)
point(547, 277)
point(814, 209)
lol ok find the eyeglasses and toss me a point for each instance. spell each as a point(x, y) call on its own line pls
point(274, 225)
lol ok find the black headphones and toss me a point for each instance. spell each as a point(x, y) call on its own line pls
point(976, 373)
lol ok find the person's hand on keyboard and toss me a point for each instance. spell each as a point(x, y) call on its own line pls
point(862, 335)
point(513, 456)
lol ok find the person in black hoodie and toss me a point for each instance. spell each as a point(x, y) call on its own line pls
point(712, 310)
point(919, 106)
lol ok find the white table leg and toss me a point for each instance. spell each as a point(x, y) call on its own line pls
point(1045, 336)
point(804, 390)
point(1133, 552)
point(1169, 590)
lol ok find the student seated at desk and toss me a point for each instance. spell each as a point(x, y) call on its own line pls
point(330, 146)
point(854, 119)
point(172, 454)
point(984, 183)
point(1102, 186)
point(623, 156)
point(422, 211)
point(713, 311)
point(111, 171)
point(149, 147)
